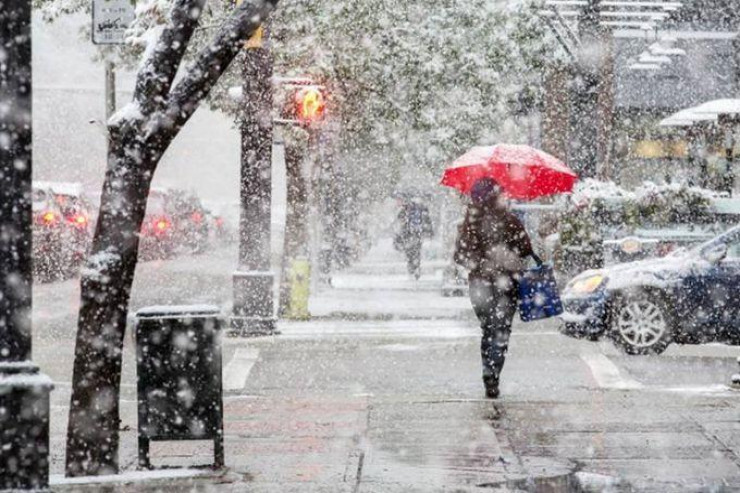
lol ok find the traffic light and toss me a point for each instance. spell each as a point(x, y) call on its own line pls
point(309, 104)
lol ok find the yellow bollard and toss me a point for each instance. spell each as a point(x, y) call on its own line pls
point(299, 277)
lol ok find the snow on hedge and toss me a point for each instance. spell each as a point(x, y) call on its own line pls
point(590, 189)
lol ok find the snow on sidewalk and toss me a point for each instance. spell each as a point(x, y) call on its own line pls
point(378, 288)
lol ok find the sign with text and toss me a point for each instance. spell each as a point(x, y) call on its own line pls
point(111, 19)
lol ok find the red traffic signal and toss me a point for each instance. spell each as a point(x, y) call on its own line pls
point(309, 104)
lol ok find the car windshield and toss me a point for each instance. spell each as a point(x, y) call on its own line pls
point(728, 237)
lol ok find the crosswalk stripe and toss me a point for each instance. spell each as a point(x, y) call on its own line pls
point(236, 372)
point(606, 373)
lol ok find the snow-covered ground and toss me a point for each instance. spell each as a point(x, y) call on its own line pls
point(372, 289)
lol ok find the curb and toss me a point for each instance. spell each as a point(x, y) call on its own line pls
point(466, 315)
point(157, 480)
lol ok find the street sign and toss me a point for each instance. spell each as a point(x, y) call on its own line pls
point(111, 19)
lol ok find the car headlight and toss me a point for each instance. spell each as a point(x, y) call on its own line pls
point(587, 285)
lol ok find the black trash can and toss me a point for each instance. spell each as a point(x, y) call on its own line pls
point(178, 364)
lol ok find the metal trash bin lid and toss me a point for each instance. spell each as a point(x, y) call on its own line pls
point(178, 311)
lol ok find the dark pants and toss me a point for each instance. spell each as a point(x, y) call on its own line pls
point(494, 303)
point(413, 256)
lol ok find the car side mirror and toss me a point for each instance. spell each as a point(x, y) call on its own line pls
point(715, 253)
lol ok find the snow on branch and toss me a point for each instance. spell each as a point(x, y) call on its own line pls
point(214, 59)
point(53, 9)
point(161, 62)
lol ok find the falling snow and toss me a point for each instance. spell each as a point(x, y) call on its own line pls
point(429, 246)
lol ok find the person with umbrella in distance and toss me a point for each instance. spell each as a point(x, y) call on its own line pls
point(492, 243)
point(415, 224)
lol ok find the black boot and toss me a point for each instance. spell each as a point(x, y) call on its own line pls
point(491, 385)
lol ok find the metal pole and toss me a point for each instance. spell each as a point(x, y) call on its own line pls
point(321, 218)
point(253, 312)
point(729, 178)
point(110, 89)
point(328, 183)
point(24, 392)
point(584, 123)
point(295, 279)
point(695, 154)
point(314, 196)
point(605, 108)
point(556, 111)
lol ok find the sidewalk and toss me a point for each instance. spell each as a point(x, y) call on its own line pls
point(379, 288)
point(391, 401)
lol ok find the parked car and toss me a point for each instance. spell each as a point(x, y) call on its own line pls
point(646, 243)
point(62, 229)
point(220, 232)
point(191, 221)
point(157, 240)
point(602, 224)
point(77, 215)
point(689, 296)
point(48, 237)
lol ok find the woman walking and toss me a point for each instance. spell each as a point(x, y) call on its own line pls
point(492, 244)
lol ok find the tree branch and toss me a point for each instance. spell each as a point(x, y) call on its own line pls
point(155, 77)
point(214, 59)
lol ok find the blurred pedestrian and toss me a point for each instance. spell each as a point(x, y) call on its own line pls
point(415, 224)
point(492, 244)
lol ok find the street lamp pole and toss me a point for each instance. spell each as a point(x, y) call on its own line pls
point(605, 107)
point(110, 89)
point(24, 391)
point(727, 124)
point(253, 312)
point(584, 115)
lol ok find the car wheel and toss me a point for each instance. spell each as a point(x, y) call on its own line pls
point(642, 325)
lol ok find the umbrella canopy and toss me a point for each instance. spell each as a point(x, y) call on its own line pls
point(523, 172)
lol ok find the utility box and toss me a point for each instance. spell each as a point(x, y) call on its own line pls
point(299, 279)
point(178, 364)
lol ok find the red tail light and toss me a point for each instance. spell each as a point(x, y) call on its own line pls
point(48, 218)
point(79, 220)
point(161, 225)
point(197, 217)
point(219, 221)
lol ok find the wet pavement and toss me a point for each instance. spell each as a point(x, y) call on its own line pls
point(392, 400)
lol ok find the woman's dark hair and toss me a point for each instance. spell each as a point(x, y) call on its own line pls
point(484, 191)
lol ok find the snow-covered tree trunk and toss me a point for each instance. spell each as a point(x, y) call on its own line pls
point(139, 135)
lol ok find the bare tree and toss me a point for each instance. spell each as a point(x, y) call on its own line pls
point(139, 135)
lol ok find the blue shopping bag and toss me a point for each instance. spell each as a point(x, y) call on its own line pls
point(538, 294)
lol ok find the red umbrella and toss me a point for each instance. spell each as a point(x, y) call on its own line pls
point(522, 171)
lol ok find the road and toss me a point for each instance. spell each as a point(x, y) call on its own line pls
point(381, 392)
